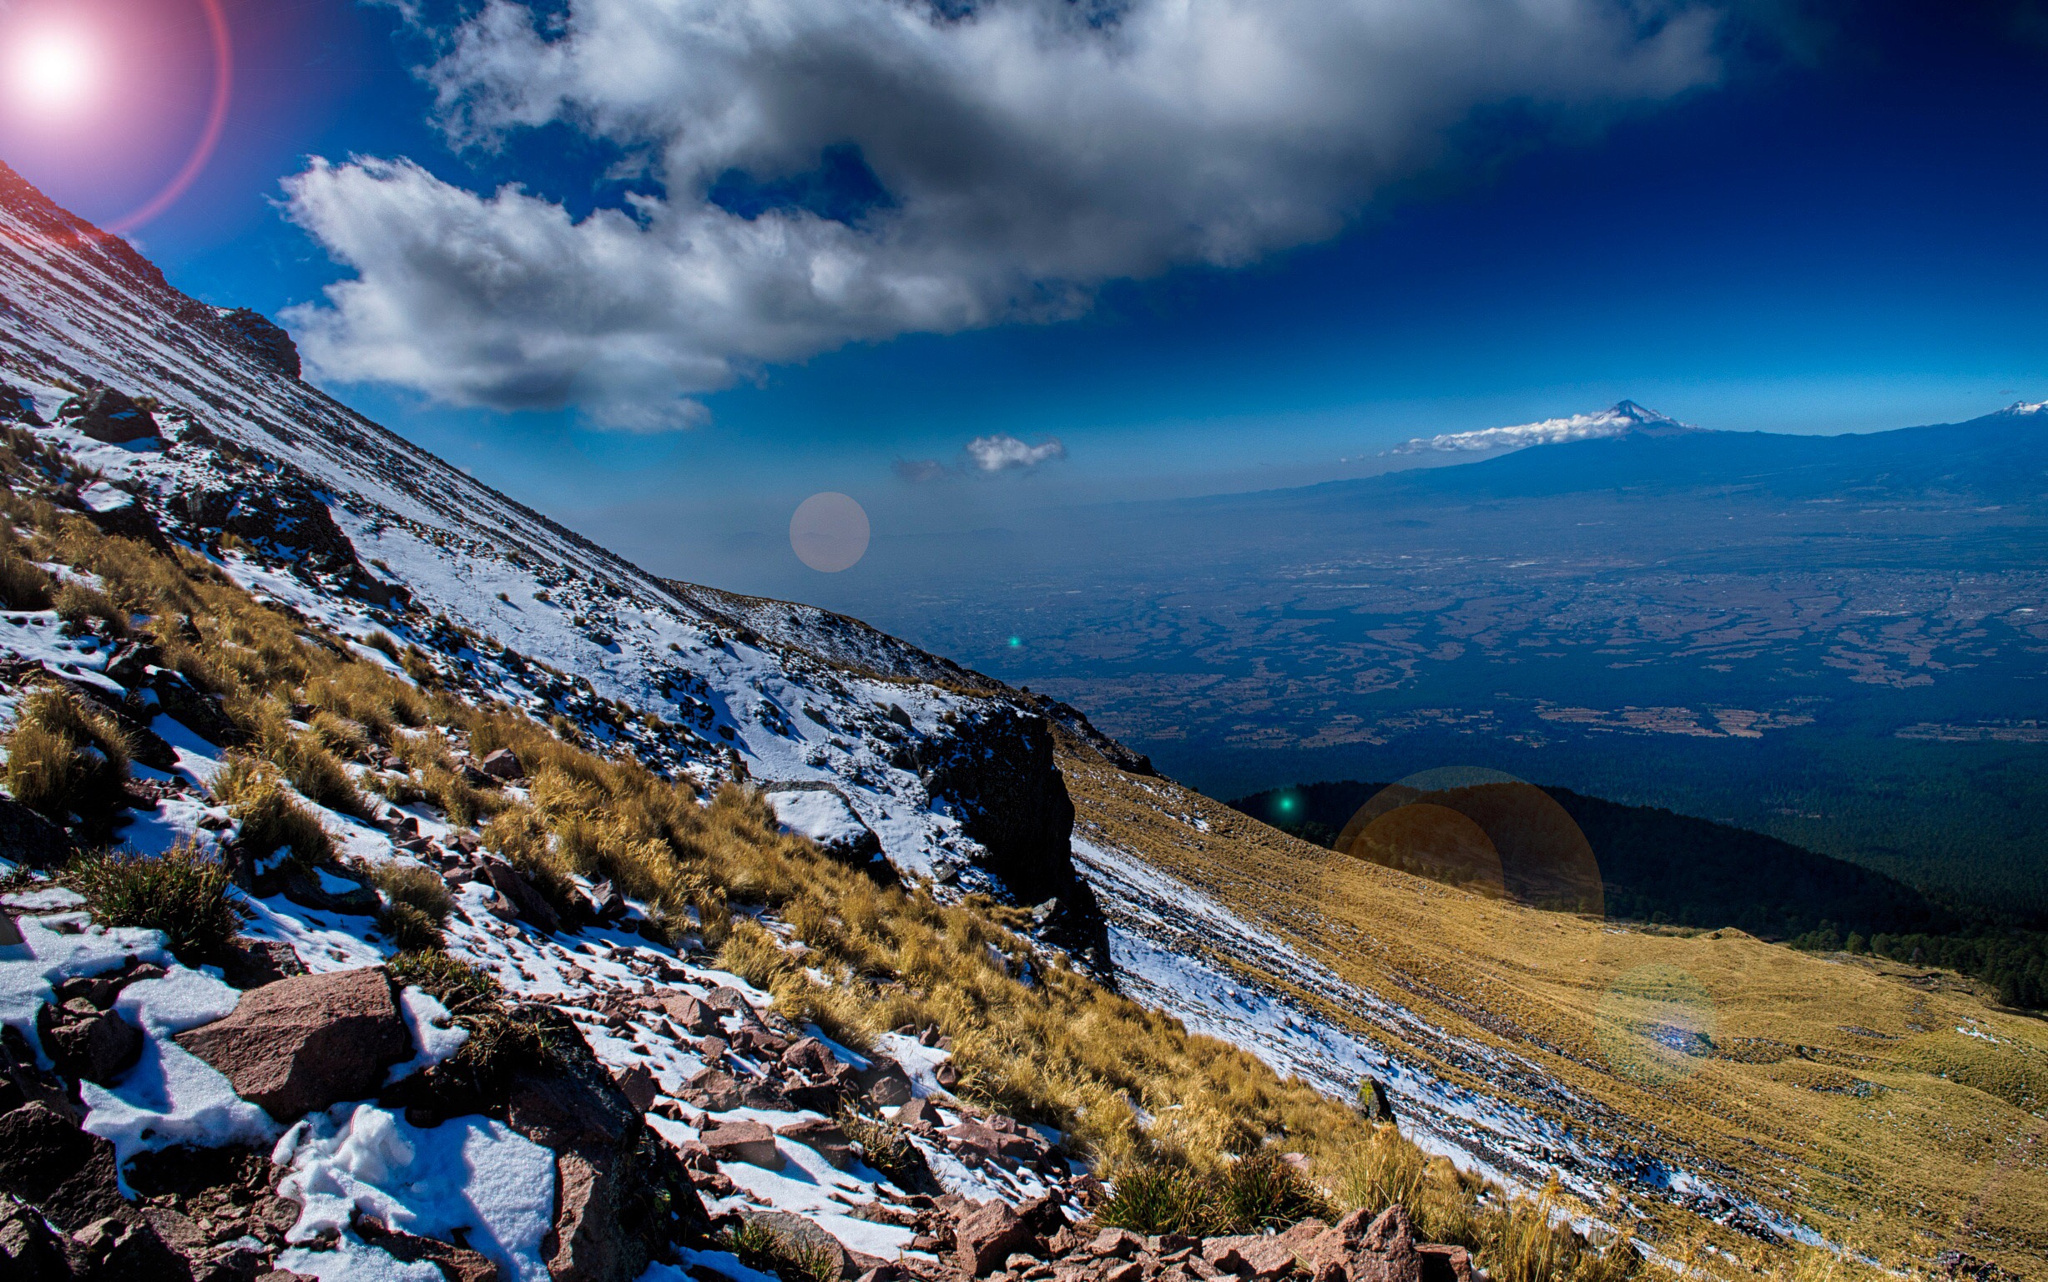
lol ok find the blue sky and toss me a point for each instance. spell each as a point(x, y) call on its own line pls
point(1841, 233)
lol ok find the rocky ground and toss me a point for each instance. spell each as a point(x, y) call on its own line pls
point(325, 1131)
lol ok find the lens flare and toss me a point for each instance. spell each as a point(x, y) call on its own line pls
point(54, 71)
point(829, 532)
point(1484, 831)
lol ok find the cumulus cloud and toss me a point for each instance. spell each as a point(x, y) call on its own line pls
point(1003, 452)
point(841, 170)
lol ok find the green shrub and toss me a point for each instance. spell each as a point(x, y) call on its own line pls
point(1262, 1190)
point(317, 774)
point(887, 1148)
point(341, 736)
point(456, 984)
point(1258, 1191)
point(1157, 1198)
point(67, 757)
point(761, 1247)
point(410, 929)
point(416, 887)
point(184, 893)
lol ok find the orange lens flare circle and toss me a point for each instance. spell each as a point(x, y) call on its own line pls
point(1483, 831)
point(209, 133)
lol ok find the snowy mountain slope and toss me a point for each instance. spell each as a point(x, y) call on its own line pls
point(514, 605)
point(1624, 419)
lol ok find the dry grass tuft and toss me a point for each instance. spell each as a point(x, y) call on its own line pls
point(65, 757)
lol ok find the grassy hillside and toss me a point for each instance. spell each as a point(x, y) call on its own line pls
point(1882, 1108)
point(1663, 868)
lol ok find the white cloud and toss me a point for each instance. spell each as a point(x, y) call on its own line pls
point(1030, 150)
point(1003, 452)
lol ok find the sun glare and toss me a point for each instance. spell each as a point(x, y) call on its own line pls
point(54, 71)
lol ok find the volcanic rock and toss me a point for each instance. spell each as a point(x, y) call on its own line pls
point(107, 415)
point(84, 1041)
point(303, 1043)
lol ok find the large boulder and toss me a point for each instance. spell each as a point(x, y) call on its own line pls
point(107, 415)
point(306, 1042)
point(65, 1173)
point(287, 519)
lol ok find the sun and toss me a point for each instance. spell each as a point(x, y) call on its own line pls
point(54, 71)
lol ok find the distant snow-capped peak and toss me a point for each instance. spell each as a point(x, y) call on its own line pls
point(1620, 420)
point(2027, 407)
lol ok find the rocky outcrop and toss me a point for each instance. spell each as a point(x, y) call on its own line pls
point(286, 518)
point(306, 1042)
point(106, 414)
point(996, 769)
point(260, 337)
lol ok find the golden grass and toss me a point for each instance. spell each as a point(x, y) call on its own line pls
point(1838, 1091)
point(65, 756)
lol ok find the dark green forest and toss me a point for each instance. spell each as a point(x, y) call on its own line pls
point(1664, 868)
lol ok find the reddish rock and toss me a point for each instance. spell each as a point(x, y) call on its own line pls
point(1254, 1257)
point(303, 1043)
point(527, 901)
point(824, 1137)
point(748, 1142)
point(501, 764)
point(1118, 1242)
point(711, 1089)
point(986, 1237)
point(252, 963)
point(1445, 1263)
point(887, 1084)
point(808, 1055)
point(639, 1086)
point(83, 1041)
point(1124, 1271)
point(947, 1075)
point(759, 1043)
point(1386, 1251)
point(689, 1013)
point(919, 1115)
point(454, 1263)
point(989, 1140)
point(47, 1161)
point(585, 1245)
